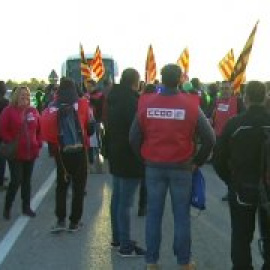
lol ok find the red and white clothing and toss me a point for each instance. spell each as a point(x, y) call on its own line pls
point(168, 125)
point(224, 110)
point(26, 122)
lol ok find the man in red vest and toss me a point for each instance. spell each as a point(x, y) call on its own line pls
point(227, 106)
point(163, 134)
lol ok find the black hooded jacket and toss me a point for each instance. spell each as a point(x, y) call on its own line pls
point(122, 107)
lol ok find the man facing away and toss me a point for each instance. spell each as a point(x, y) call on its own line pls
point(163, 134)
point(238, 162)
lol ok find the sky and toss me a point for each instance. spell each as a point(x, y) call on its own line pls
point(37, 36)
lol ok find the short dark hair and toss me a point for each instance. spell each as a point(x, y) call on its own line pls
point(170, 75)
point(255, 91)
point(129, 77)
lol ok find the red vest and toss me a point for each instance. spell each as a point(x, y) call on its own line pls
point(168, 124)
point(225, 109)
point(48, 122)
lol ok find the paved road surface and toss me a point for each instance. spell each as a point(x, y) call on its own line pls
point(35, 248)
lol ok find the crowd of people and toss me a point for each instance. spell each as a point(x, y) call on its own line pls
point(154, 137)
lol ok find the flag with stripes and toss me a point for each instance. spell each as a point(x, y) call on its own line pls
point(183, 61)
point(240, 67)
point(226, 65)
point(150, 66)
point(98, 67)
point(85, 68)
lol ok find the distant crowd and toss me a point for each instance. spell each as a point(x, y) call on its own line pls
point(154, 138)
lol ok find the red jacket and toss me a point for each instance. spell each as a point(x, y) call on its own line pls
point(12, 123)
point(49, 129)
point(168, 124)
point(225, 109)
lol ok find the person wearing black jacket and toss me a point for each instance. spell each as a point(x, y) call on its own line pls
point(126, 168)
point(238, 162)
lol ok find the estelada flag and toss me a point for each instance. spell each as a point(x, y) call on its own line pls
point(98, 67)
point(242, 61)
point(183, 61)
point(150, 66)
point(226, 65)
point(85, 68)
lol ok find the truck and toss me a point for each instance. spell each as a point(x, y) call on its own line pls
point(71, 68)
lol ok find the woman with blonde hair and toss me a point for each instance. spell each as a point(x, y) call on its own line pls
point(19, 121)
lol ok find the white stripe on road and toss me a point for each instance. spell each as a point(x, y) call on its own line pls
point(14, 232)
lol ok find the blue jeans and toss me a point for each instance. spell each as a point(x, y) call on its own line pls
point(158, 181)
point(121, 202)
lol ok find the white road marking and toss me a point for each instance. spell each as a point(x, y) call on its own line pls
point(15, 231)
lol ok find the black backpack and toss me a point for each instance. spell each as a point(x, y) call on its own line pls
point(69, 129)
point(250, 157)
point(264, 186)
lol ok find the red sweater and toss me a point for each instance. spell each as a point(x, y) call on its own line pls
point(11, 124)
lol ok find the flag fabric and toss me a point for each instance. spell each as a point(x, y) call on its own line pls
point(85, 68)
point(150, 67)
point(98, 67)
point(238, 73)
point(183, 61)
point(226, 65)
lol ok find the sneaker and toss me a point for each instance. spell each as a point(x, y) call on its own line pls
point(29, 212)
point(225, 198)
point(190, 266)
point(134, 252)
point(152, 266)
point(74, 227)
point(115, 245)
point(60, 226)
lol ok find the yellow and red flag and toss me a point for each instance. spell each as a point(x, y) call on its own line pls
point(150, 67)
point(226, 65)
point(183, 61)
point(98, 67)
point(85, 68)
point(238, 74)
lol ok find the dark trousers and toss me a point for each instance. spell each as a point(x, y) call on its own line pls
point(20, 175)
point(2, 170)
point(243, 219)
point(75, 165)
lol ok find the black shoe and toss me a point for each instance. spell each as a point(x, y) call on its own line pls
point(74, 227)
point(115, 245)
point(225, 198)
point(6, 214)
point(134, 251)
point(29, 212)
point(60, 226)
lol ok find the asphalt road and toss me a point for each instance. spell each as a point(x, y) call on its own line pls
point(35, 248)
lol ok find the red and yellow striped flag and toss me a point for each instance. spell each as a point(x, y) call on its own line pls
point(238, 73)
point(183, 61)
point(150, 67)
point(98, 67)
point(85, 68)
point(226, 65)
